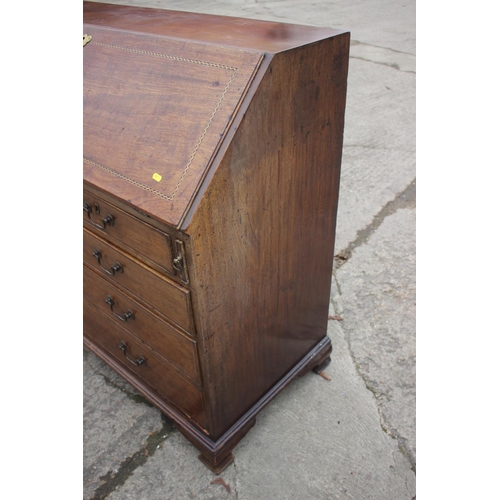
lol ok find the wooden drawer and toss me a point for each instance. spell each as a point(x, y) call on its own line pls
point(154, 370)
point(135, 236)
point(161, 336)
point(164, 296)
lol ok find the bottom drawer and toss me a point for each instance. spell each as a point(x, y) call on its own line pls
point(141, 360)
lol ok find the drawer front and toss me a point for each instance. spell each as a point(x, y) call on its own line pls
point(143, 362)
point(164, 296)
point(126, 231)
point(159, 335)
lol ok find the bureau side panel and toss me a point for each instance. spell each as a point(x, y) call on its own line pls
point(262, 237)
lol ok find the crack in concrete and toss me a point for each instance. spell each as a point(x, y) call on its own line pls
point(403, 448)
point(390, 65)
point(381, 148)
point(115, 478)
point(405, 199)
point(402, 442)
point(137, 398)
point(357, 42)
point(340, 293)
point(235, 488)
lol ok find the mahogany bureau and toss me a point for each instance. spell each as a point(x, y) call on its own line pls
point(212, 152)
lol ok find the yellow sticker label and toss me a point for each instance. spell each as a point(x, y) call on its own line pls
point(157, 177)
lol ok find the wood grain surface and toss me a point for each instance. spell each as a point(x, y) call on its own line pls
point(155, 371)
point(155, 111)
point(251, 34)
point(163, 296)
point(226, 134)
point(141, 240)
point(165, 339)
point(263, 233)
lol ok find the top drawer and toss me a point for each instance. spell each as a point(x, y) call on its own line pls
point(152, 246)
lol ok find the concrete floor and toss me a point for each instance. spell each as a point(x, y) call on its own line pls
point(352, 437)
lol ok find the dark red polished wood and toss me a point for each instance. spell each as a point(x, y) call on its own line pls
point(215, 146)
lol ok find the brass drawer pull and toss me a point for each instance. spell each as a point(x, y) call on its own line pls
point(126, 316)
point(177, 263)
point(136, 362)
point(114, 269)
point(108, 220)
